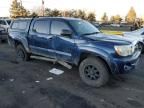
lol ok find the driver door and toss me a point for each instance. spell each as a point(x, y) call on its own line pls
point(64, 45)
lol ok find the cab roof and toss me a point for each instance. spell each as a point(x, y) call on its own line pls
point(62, 18)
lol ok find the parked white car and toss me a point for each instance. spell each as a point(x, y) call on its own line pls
point(3, 34)
point(137, 35)
point(115, 25)
point(5, 23)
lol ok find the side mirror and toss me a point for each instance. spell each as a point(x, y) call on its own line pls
point(142, 33)
point(66, 33)
point(34, 30)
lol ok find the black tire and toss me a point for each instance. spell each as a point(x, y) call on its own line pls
point(141, 47)
point(97, 77)
point(142, 51)
point(21, 54)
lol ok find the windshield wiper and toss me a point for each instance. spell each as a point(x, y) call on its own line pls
point(90, 33)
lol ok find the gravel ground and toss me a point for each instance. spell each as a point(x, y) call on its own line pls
point(24, 85)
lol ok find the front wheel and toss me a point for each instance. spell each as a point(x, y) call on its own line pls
point(93, 71)
point(141, 48)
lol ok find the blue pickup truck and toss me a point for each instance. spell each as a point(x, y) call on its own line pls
point(74, 42)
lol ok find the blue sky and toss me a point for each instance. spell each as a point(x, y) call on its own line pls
point(111, 7)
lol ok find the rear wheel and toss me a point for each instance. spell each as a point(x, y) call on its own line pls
point(93, 71)
point(21, 54)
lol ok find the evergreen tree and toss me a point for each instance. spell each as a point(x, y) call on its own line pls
point(48, 12)
point(17, 10)
point(81, 14)
point(131, 16)
point(104, 18)
point(55, 13)
point(112, 19)
point(115, 19)
point(73, 13)
point(91, 17)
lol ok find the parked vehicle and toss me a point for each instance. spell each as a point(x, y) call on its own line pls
point(115, 25)
point(97, 25)
point(137, 35)
point(74, 42)
point(3, 34)
point(5, 23)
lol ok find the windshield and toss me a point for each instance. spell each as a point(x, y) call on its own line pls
point(8, 21)
point(83, 27)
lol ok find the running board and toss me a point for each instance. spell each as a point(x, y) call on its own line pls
point(53, 60)
point(65, 64)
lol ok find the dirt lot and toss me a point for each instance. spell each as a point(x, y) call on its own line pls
point(19, 86)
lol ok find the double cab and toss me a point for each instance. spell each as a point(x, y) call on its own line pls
point(75, 42)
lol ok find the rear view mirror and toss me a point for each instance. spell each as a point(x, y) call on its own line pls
point(66, 33)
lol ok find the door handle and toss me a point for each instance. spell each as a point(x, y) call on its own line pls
point(50, 38)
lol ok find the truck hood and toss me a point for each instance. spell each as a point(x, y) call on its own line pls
point(110, 38)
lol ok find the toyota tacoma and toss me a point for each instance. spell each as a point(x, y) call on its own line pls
point(74, 41)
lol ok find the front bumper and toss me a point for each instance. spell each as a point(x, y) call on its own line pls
point(126, 64)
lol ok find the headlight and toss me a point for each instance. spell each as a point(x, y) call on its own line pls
point(124, 50)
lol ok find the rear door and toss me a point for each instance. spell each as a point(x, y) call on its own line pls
point(41, 42)
point(64, 46)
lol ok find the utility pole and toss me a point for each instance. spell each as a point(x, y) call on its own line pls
point(42, 8)
point(21, 6)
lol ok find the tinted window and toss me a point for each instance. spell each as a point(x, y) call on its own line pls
point(20, 25)
point(9, 22)
point(58, 26)
point(2, 22)
point(42, 27)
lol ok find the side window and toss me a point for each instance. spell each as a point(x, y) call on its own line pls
point(42, 26)
point(2, 22)
point(58, 26)
point(19, 25)
point(22, 25)
point(15, 25)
